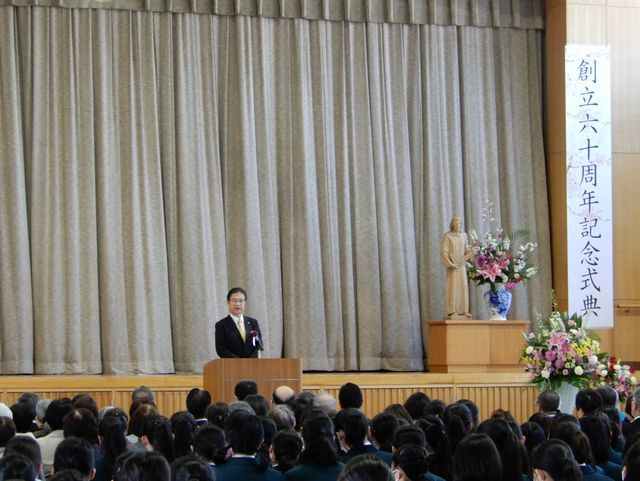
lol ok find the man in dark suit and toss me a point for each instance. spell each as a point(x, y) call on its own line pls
point(630, 428)
point(238, 335)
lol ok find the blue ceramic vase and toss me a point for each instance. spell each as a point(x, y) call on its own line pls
point(499, 303)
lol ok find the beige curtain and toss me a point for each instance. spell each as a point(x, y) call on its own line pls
point(152, 160)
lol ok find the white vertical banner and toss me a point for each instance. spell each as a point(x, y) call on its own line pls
point(589, 209)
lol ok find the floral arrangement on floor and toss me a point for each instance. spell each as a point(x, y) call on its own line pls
point(495, 261)
point(617, 375)
point(563, 351)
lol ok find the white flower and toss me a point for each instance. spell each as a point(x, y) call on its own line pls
point(545, 374)
point(593, 360)
point(604, 373)
point(633, 380)
point(529, 350)
point(617, 367)
point(578, 370)
point(601, 367)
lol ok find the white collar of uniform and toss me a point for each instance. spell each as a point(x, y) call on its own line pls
point(236, 319)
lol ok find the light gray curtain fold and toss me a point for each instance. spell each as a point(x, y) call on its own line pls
point(150, 161)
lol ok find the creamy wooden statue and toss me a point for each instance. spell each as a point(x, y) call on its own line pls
point(455, 255)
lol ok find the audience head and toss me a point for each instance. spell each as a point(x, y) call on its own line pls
point(269, 428)
point(41, 409)
point(596, 427)
point(286, 447)
point(75, 453)
point(25, 446)
point(57, 410)
point(352, 426)
point(557, 424)
point(142, 393)
point(319, 441)
point(548, 401)
point(210, 443)
point(302, 403)
point(68, 475)
point(553, 460)
point(112, 430)
point(85, 401)
point(383, 426)
point(410, 434)
point(30, 398)
point(191, 468)
point(350, 396)
point(411, 463)
point(244, 433)
point(183, 425)
point(141, 466)
point(5, 411)
point(458, 422)
point(198, 401)
point(283, 416)
point(16, 466)
point(326, 402)
point(608, 395)
point(23, 416)
point(139, 417)
point(366, 468)
point(399, 411)
point(588, 401)
point(477, 459)
point(217, 414)
point(81, 423)
point(631, 464)
point(258, 403)
point(244, 388)
point(441, 459)
point(7, 430)
point(473, 409)
point(542, 420)
point(157, 436)
point(283, 395)
point(436, 408)
point(417, 405)
point(240, 406)
point(533, 435)
point(508, 446)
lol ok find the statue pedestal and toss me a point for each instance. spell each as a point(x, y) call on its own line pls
point(455, 345)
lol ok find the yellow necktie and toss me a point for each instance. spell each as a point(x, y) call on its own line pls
point(243, 333)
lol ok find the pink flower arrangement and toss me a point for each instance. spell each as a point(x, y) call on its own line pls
point(617, 375)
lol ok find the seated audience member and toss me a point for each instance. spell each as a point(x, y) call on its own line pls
point(617, 439)
point(111, 432)
point(473, 409)
point(542, 420)
point(258, 403)
point(183, 426)
point(142, 394)
point(82, 424)
point(245, 436)
point(558, 422)
point(399, 412)
point(596, 427)
point(477, 459)
point(319, 459)
point(137, 418)
point(43, 427)
point(85, 401)
point(68, 475)
point(210, 444)
point(141, 466)
point(283, 416)
point(198, 400)
point(417, 405)
point(458, 422)
point(300, 405)
point(283, 395)
point(157, 436)
point(438, 446)
point(269, 429)
point(436, 408)
point(327, 403)
point(631, 464)
point(548, 402)
point(383, 426)
point(366, 468)
point(411, 463)
point(7, 431)
point(240, 406)
point(352, 428)
point(75, 453)
point(29, 448)
point(533, 435)
point(609, 396)
point(412, 435)
point(508, 446)
point(286, 447)
point(553, 461)
point(57, 410)
point(350, 396)
point(17, 467)
point(217, 414)
point(30, 398)
point(629, 428)
point(5, 411)
point(191, 468)
point(588, 401)
point(24, 416)
point(244, 388)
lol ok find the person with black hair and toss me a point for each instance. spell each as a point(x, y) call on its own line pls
point(137, 417)
point(24, 415)
point(16, 467)
point(191, 468)
point(28, 447)
point(183, 426)
point(245, 435)
point(417, 405)
point(436, 408)
point(410, 463)
point(198, 400)
point(350, 396)
point(111, 433)
point(617, 439)
point(473, 410)
point(68, 475)
point(157, 436)
point(75, 453)
point(7, 431)
point(553, 460)
point(210, 444)
point(588, 401)
point(438, 446)
point(596, 427)
point(269, 428)
point(300, 405)
point(508, 446)
point(244, 389)
point(399, 411)
point(533, 435)
point(352, 428)
point(631, 465)
point(366, 468)
point(285, 449)
point(238, 335)
point(56, 411)
point(217, 413)
point(141, 466)
point(258, 403)
point(412, 435)
point(608, 395)
point(477, 459)
point(85, 401)
point(542, 420)
point(143, 393)
point(383, 425)
point(319, 459)
point(458, 422)
point(633, 426)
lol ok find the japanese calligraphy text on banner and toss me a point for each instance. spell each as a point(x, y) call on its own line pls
point(589, 217)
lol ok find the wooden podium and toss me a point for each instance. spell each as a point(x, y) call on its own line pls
point(474, 346)
point(220, 376)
